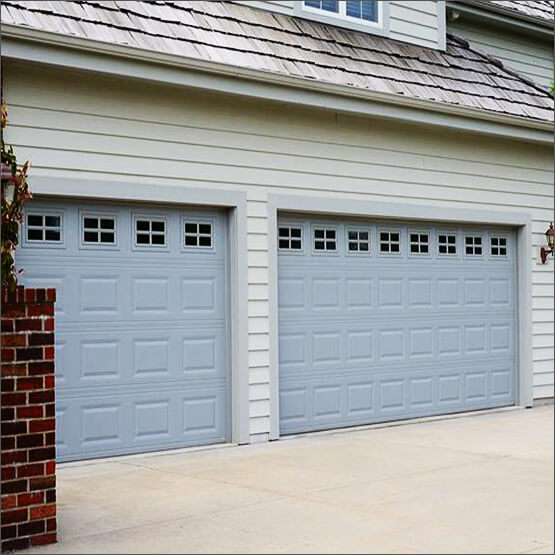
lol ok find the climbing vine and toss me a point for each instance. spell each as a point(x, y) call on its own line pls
point(15, 192)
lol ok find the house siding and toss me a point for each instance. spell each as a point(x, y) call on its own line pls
point(416, 22)
point(85, 127)
point(531, 57)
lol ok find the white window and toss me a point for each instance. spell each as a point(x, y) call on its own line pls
point(198, 234)
point(99, 230)
point(447, 243)
point(290, 238)
point(150, 232)
point(360, 11)
point(358, 241)
point(44, 228)
point(473, 245)
point(325, 239)
point(498, 246)
point(419, 242)
point(390, 242)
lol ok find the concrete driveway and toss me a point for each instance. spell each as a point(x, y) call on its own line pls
point(474, 484)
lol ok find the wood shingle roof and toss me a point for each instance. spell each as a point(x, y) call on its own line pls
point(246, 37)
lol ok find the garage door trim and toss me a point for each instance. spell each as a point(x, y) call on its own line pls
point(46, 187)
point(332, 206)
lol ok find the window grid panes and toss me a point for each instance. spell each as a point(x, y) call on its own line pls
point(473, 245)
point(45, 228)
point(446, 243)
point(498, 246)
point(419, 243)
point(150, 233)
point(325, 239)
point(198, 234)
point(363, 10)
point(390, 242)
point(358, 241)
point(325, 5)
point(290, 238)
point(99, 230)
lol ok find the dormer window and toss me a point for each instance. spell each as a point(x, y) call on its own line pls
point(360, 11)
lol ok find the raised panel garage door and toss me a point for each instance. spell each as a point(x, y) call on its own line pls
point(381, 321)
point(142, 336)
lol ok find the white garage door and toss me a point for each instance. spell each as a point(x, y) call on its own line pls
point(142, 336)
point(382, 320)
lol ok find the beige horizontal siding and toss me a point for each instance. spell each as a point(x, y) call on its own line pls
point(529, 56)
point(414, 21)
point(101, 128)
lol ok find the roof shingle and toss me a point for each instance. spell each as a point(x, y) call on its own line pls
point(539, 9)
point(250, 38)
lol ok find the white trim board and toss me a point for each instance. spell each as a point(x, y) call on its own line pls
point(158, 194)
point(400, 211)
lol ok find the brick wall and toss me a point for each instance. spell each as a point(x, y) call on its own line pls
point(28, 419)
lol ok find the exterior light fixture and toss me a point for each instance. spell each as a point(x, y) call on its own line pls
point(8, 184)
point(547, 249)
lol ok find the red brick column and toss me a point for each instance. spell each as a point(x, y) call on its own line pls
point(28, 419)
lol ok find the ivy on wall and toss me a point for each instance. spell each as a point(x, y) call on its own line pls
point(15, 192)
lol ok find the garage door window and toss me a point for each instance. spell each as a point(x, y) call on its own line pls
point(197, 234)
point(325, 239)
point(498, 246)
point(390, 242)
point(419, 243)
point(150, 232)
point(473, 245)
point(44, 228)
point(290, 238)
point(99, 230)
point(447, 244)
point(358, 241)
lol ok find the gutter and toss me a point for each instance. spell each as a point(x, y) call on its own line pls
point(45, 47)
point(510, 18)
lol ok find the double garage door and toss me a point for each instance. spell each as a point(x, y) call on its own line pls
point(377, 321)
point(142, 333)
point(382, 320)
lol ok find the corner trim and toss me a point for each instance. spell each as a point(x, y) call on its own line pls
point(322, 205)
point(236, 201)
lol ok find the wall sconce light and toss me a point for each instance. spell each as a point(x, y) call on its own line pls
point(547, 249)
point(8, 184)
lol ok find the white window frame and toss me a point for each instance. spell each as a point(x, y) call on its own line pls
point(438, 244)
point(43, 242)
point(379, 241)
point(358, 229)
point(199, 220)
point(341, 15)
point(429, 243)
point(484, 244)
point(290, 225)
point(99, 215)
point(326, 227)
point(150, 218)
point(493, 235)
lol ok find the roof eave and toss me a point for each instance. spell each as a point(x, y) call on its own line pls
point(48, 48)
point(497, 14)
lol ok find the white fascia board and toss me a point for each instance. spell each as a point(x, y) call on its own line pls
point(42, 47)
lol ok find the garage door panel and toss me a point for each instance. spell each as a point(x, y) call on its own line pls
point(141, 331)
point(371, 338)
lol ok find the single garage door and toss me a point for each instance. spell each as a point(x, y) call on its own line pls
point(142, 336)
point(382, 320)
